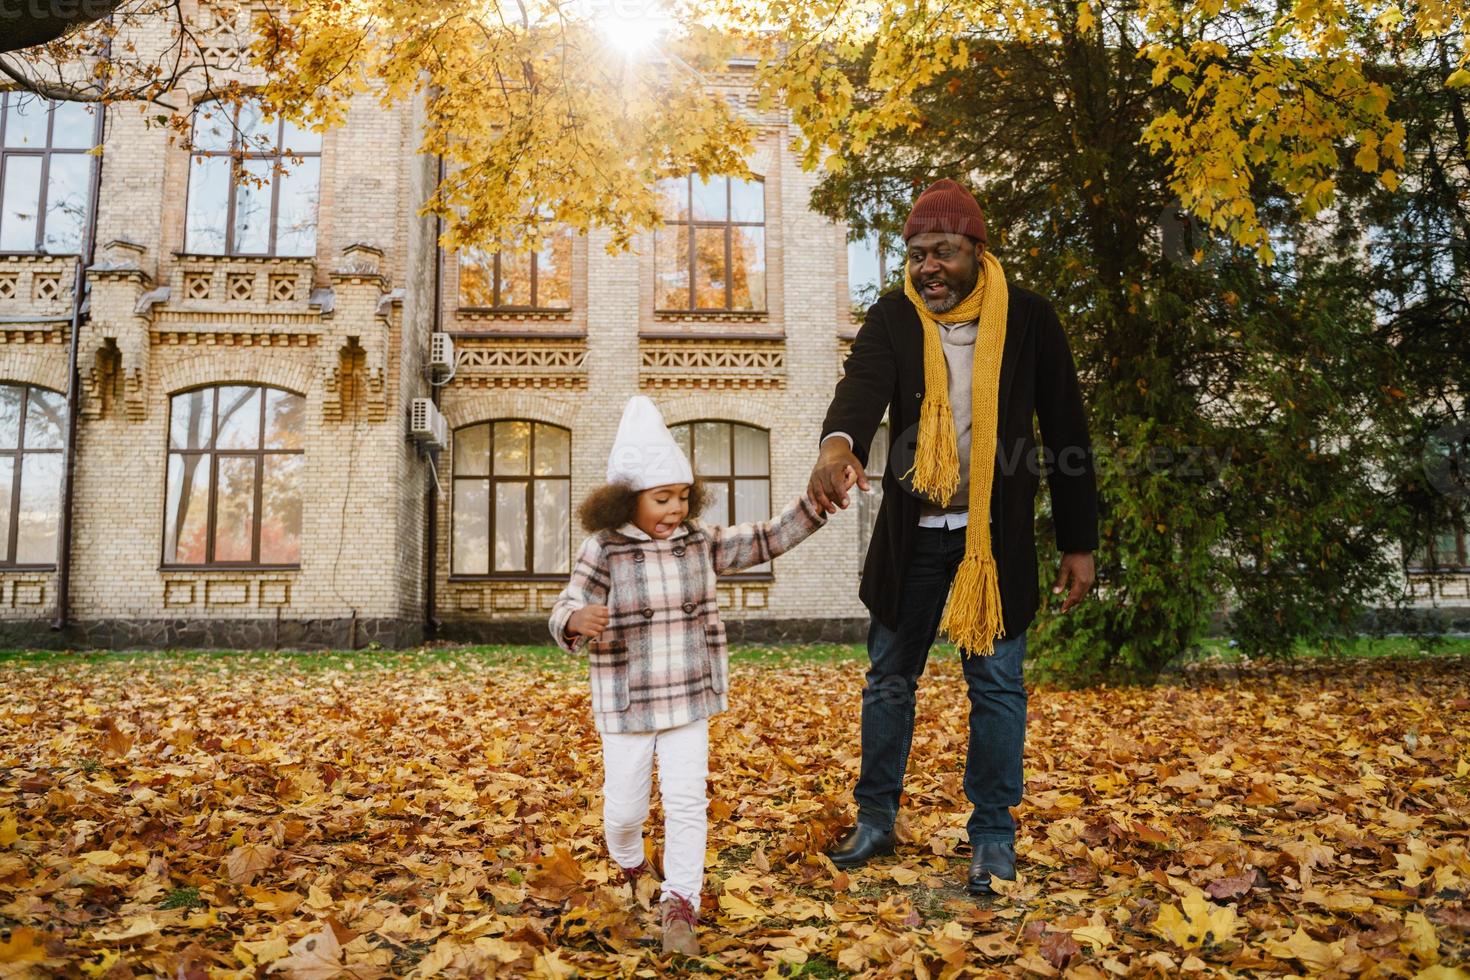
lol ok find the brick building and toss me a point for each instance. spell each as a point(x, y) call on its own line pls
point(247, 351)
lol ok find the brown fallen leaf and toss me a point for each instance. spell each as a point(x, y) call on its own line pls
point(1231, 887)
point(248, 860)
point(556, 876)
point(996, 945)
point(445, 836)
point(1059, 948)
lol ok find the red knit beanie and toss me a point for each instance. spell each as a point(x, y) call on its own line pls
point(946, 207)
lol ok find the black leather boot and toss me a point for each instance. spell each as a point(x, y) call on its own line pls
point(997, 859)
point(862, 844)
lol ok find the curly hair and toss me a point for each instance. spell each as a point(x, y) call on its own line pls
point(614, 504)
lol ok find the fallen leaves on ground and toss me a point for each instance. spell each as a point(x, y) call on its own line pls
point(202, 819)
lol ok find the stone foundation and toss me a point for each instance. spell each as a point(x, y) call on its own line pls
point(220, 634)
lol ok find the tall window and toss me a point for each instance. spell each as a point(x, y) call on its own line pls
point(874, 265)
point(1448, 547)
point(529, 281)
point(710, 253)
point(253, 183)
point(868, 503)
point(512, 499)
point(32, 427)
point(45, 173)
point(235, 473)
point(734, 462)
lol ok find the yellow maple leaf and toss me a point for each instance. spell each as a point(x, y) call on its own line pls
point(740, 908)
point(1311, 953)
point(9, 829)
point(22, 947)
point(142, 925)
point(1195, 922)
point(904, 876)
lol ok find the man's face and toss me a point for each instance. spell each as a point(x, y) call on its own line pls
point(944, 268)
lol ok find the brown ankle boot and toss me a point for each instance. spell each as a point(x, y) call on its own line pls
point(679, 921)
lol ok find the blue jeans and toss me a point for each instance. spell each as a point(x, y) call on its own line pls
point(896, 658)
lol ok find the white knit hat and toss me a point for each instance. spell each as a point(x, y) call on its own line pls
point(644, 454)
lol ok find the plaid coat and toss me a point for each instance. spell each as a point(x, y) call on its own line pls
point(662, 661)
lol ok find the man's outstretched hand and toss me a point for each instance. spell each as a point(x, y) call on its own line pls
point(836, 471)
point(1075, 577)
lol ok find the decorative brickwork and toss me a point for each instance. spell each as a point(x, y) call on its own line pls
point(521, 363)
point(712, 364)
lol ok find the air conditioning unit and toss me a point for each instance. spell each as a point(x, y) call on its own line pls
point(426, 425)
point(441, 354)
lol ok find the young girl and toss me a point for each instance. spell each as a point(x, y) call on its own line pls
point(641, 602)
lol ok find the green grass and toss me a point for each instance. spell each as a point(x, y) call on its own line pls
point(452, 658)
point(182, 898)
point(476, 659)
point(819, 968)
point(1358, 648)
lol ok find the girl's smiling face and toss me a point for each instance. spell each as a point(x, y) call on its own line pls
point(662, 509)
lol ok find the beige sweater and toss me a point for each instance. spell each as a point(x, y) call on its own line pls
point(958, 341)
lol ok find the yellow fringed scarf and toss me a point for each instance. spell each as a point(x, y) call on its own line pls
point(972, 619)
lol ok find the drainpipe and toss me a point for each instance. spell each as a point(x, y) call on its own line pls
point(73, 385)
point(431, 491)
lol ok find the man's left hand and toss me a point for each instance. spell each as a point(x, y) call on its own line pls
point(1075, 577)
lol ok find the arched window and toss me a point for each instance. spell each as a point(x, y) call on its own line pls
point(518, 281)
point(32, 431)
point(253, 183)
point(236, 468)
point(734, 462)
point(710, 253)
point(512, 499)
point(45, 173)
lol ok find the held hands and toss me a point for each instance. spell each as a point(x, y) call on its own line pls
point(836, 471)
point(588, 621)
point(1075, 577)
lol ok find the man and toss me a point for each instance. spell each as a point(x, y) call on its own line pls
point(961, 360)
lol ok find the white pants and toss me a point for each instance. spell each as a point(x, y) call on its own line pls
point(683, 767)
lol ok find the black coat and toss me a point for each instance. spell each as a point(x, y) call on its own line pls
point(886, 371)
